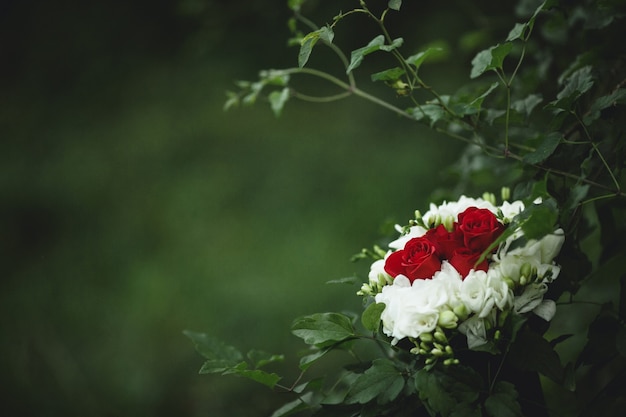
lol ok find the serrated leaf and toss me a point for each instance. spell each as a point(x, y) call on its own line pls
point(394, 4)
point(371, 316)
point(382, 381)
point(322, 328)
point(503, 401)
point(547, 146)
point(278, 99)
point(376, 44)
point(490, 59)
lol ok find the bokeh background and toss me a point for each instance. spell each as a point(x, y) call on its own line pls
point(133, 207)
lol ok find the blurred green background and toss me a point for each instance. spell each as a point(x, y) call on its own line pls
point(133, 207)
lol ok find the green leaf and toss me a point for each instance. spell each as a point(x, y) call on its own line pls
point(295, 5)
point(517, 32)
point(382, 381)
point(578, 83)
point(308, 360)
point(532, 352)
point(391, 74)
point(258, 358)
point(278, 99)
point(322, 328)
point(371, 316)
point(299, 404)
point(308, 42)
point(430, 111)
point(610, 100)
point(418, 59)
point(539, 219)
point(475, 105)
point(394, 4)
point(220, 356)
point(527, 104)
point(450, 390)
point(376, 44)
point(490, 59)
point(503, 401)
point(547, 146)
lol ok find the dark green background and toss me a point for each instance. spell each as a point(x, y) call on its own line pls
point(133, 207)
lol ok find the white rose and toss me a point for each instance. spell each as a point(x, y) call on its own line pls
point(510, 210)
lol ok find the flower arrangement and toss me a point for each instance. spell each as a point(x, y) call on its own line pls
point(461, 267)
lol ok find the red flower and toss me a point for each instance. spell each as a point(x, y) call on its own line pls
point(480, 228)
point(446, 242)
point(418, 260)
point(464, 259)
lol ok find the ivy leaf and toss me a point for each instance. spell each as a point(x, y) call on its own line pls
point(371, 316)
point(539, 219)
point(394, 4)
point(322, 328)
point(503, 401)
point(278, 99)
point(258, 358)
point(308, 42)
point(490, 59)
point(547, 146)
point(382, 381)
point(475, 105)
point(376, 44)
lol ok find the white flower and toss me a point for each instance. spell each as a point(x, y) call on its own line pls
point(510, 210)
point(475, 330)
point(414, 231)
point(452, 209)
point(377, 274)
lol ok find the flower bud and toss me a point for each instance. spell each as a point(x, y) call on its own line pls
point(490, 197)
point(505, 193)
point(440, 337)
point(526, 270)
point(461, 311)
point(426, 337)
point(436, 352)
point(449, 350)
point(496, 335)
point(448, 223)
point(448, 320)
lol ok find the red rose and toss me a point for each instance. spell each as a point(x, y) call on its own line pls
point(446, 242)
point(480, 228)
point(418, 260)
point(464, 259)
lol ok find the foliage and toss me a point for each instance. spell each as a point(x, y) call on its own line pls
point(545, 105)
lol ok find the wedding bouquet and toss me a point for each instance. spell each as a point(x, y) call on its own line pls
point(463, 267)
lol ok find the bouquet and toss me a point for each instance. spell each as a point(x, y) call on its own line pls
point(463, 267)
